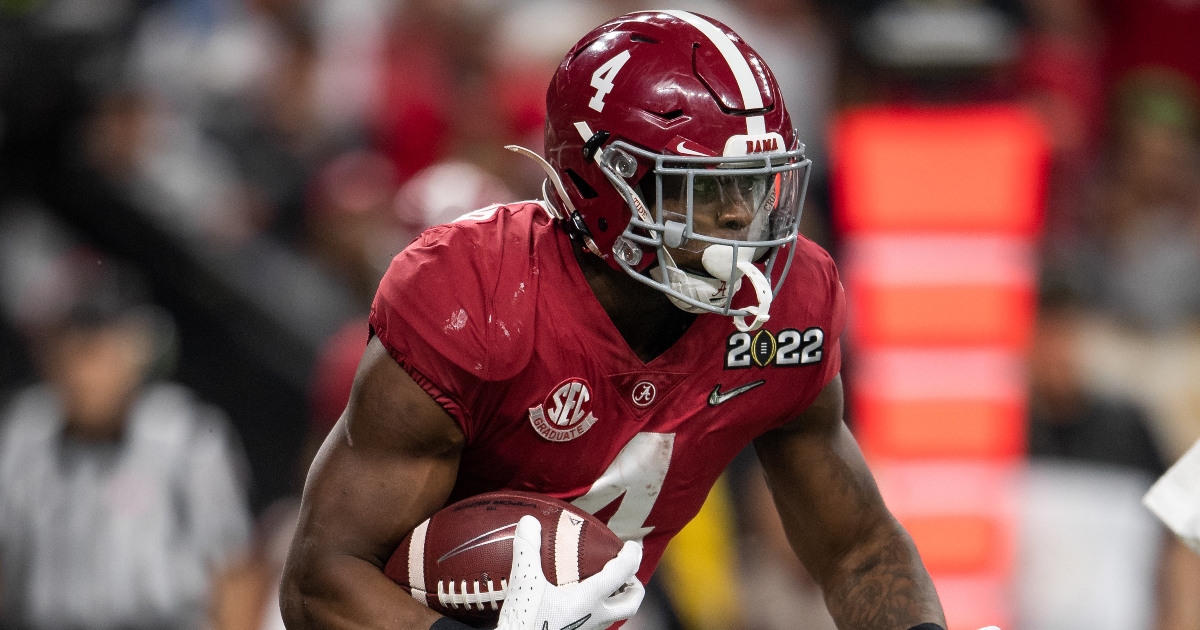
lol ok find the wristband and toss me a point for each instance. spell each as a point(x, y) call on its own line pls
point(446, 623)
point(928, 625)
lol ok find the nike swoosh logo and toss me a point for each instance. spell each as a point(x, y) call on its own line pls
point(717, 396)
point(479, 541)
point(686, 151)
point(575, 624)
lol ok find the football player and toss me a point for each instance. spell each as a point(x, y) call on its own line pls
point(615, 345)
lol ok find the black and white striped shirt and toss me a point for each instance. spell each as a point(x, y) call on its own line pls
point(119, 535)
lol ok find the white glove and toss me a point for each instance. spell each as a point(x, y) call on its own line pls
point(1175, 498)
point(533, 603)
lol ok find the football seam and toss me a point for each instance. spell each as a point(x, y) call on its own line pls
point(553, 547)
point(583, 542)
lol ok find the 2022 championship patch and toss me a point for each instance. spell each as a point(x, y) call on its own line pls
point(790, 348)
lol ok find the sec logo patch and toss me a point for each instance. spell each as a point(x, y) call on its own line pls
point(566, 413)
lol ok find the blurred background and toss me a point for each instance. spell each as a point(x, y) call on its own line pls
point(198, 198)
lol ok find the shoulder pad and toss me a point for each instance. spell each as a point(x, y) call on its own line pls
point(464, 292)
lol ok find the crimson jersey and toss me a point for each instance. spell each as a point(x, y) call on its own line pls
point(492, 316)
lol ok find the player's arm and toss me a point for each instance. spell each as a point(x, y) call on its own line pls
point(388, 464)
point(835, 519)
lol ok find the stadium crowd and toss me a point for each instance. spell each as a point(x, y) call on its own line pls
point(208, 192)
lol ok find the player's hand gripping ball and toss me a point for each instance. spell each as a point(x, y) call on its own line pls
point(458, 561)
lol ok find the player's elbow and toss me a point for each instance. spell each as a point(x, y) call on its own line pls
point(291, 604)
point(297, 590)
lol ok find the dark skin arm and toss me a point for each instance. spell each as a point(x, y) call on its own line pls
point(836, 522)
point(388, 464)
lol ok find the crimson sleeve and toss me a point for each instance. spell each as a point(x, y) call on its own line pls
point(834, 302)
point(457, 309)
point(431, 328)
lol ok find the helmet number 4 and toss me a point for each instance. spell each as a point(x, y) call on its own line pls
point(602, 79)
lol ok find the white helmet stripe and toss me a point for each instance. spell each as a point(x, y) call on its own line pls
point(756, 125)
point(751, 94)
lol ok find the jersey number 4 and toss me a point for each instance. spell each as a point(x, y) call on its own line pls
point(635, 478)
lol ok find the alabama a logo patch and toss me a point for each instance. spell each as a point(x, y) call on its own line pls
point(566, 413)
point(644, 393)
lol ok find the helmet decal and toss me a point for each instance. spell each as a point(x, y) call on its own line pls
point(683, 146)
point(603, 77)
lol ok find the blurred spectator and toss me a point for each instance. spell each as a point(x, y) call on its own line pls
point(529, 39)
point(357, 217)
point(329, 391)
point(1090, 556)
point(1152, 211)
point(248, 78)
point(1060, 77)
point(926, 51)
point(274, 130)
point(1148, 34)
point(122, 500)
point(444, 192)
point(350, 45)
point(1140, 260)
point(433, 54)
point(163, 161)
point(1069, 422)
point(349, 224)
point(332, 378)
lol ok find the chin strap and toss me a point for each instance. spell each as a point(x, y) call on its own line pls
point(726, 279)
point(707, 290)
point(718, 261)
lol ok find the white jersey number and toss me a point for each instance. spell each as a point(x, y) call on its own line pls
point(635, 477)
point(602, 79)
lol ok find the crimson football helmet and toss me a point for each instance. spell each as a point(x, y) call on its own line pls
point(660, 127)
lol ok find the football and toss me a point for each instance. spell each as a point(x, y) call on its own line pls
point(457, 561)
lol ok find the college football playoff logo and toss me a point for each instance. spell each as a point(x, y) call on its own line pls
point(789, 348)
point(566, 413)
